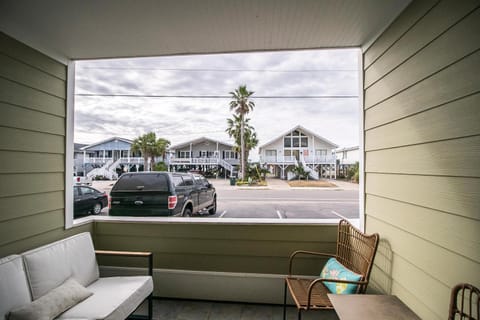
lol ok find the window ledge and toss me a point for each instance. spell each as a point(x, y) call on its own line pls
point(201, 220)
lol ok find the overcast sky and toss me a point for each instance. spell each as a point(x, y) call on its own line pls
point(287, 73)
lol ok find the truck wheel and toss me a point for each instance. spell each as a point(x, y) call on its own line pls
point(187, 212)
point(213, 209)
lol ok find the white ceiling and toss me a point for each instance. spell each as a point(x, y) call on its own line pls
point(91, 29)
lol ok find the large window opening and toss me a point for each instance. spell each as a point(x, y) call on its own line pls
point(306, 108)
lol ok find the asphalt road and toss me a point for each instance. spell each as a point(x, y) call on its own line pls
point(278, 201)
point(287, 204)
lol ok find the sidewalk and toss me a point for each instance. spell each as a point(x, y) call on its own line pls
point(344, 185)
point(278, 184)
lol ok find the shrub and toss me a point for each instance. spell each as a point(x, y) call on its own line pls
point(160, 166)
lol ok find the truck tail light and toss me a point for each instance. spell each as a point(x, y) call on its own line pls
point(78, 179)
point(109, 202)
point(172, 202)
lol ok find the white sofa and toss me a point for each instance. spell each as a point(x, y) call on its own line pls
point(27, 277)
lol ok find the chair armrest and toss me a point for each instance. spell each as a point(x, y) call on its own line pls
point(140, 254)
point(295, 253)
point(322, 280)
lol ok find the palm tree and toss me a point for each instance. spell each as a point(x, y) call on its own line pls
point(242, 105)
point(234, 131)
point(158, 149)
point(251, 141)
point(149, 146)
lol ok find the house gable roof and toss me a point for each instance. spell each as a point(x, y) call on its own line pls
point(196, 141)
point(105, 141)
point(304, 130)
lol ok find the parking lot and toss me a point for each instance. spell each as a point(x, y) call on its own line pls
point(278, 201)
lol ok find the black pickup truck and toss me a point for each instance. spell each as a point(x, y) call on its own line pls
point(161, 194)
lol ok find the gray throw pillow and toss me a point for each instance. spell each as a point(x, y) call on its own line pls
point(53, 303)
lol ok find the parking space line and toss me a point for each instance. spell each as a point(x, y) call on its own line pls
point(223, 213)
point(279, 215)
point(339, 215)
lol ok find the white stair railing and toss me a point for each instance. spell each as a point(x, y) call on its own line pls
point(107, 171)
point(225, 164)
point(311, 173)
point(291, 176)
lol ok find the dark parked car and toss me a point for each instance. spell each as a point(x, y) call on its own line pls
point(162, 194)
point(88, 200)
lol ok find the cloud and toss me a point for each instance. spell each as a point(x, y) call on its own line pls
point(286, 73)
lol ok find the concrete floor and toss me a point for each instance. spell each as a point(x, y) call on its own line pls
point(172, 309)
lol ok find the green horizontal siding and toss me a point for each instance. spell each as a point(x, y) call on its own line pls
point(32, 148)
point(255, 248)
point(422, 143)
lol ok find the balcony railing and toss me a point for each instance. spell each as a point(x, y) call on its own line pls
point(101, 160)
point(212, 160)
point(291, 159)
point(132, 160)
point(320, 159)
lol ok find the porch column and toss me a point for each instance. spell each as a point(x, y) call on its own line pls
point(191, 155)
point(84, 160)
point(314, 154)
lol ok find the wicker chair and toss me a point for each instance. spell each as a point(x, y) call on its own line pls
point(462, 294)
point(355, 251)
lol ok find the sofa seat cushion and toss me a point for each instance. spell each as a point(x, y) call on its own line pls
point(113, 298)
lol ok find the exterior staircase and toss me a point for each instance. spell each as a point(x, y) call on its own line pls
point(107, 171)
point(311, 173)
point(227, 166)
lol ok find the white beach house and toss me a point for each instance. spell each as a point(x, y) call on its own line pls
point(299, 145)
point(203, 154)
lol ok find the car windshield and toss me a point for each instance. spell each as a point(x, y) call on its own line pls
point(145, 182)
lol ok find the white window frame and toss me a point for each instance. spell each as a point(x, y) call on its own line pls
point(70, 121)
point(229, 154)
point(69, 221)
point(184, 154)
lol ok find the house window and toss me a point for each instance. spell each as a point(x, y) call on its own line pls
point(304, 142)
point(287, 142)
point(321, 154)
point(296, 142)
point(184, 154)
point(229, 154)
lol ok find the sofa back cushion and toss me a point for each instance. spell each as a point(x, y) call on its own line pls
point(49, 266)
point(14, 290)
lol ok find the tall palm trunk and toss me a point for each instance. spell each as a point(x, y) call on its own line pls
point(145, 162)
point(242, 147)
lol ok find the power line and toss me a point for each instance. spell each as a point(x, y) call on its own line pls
point(213, 96)
point(219, 70)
